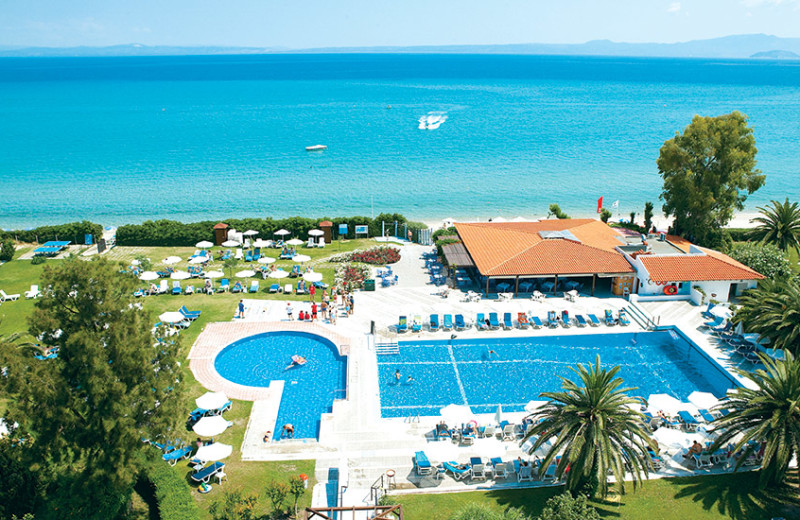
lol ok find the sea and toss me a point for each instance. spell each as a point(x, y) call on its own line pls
point(124, 139)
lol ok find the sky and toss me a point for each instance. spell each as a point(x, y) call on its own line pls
point(298, 24)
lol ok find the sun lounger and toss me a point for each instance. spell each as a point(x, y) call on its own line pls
point(552, 320)
point(508, 433)
point(525, 473)
point(536, 322)
point(688, 420)
point(176, 287)
point(416, 323)
point(421, 464)
point(550, 473)
point(706, 415)
point(254, 286)
point(494, 324)
point(287, 289)
point(458, 472)
point(448, 322)
point(480, 322)
point(274, 288)
point(300, 289)
point(237, 288)
point(34, 292)
point(189, 315)
point(138, 294)
point(580, 320)
point(441, 430)
point(499, 467)
point(609, 318)
point(565, 319)
point(714, 323)
point(205, 474)
point(507, 323)
point(175, 455)
point(478, 468)
point(434, 323)
point(522, 320)
point(224, 285)
point(593, 321)
point(707, 313)
point(460, 323)
point(623, 318)
point(402, 324)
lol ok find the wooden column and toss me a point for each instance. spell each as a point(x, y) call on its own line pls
point(516, 286)
point(555, 286)
point(487, 286)
point(594, 279)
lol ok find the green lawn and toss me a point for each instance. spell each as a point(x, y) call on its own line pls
point(698, 498)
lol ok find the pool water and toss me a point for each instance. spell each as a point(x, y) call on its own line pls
point(520, 369)
point(309, 390)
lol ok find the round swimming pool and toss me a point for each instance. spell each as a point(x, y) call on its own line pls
point(309, 389)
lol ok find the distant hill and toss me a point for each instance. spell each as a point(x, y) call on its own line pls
point(738, 46)
point(777, 55)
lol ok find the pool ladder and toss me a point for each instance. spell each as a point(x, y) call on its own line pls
point(387, 349)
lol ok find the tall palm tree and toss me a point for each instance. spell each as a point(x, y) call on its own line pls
point(773, 311)
point(596, 431)
point(769, 413)
point(779, 225)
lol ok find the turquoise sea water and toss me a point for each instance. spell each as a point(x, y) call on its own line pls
point(121, 140)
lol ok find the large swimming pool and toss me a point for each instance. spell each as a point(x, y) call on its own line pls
point(464, 371)
point(309, 390)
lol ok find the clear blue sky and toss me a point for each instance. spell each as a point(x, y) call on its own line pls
point(324, 23)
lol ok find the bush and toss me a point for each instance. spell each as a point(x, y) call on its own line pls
point(567, 507)
point(481, 511)
point(38, 260)
point(73, 231)
point(351, 276)
point(444, 232)
point(738, 234)
point(175, 501)
point(444, 242)
point(555, 210)
point(380, 255)
point(767, 259)
point(6, 250)
point(605, 215)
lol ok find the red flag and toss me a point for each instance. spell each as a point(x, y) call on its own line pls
point(599, 204)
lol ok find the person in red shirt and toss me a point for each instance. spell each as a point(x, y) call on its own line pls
point(313, 311)
point(311, 291)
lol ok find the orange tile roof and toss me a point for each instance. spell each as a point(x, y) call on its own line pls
point(679, 242)
point(517, 249)
point(697, 268)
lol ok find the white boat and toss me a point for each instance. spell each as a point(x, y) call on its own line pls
point(316, 148)
point(431, 121)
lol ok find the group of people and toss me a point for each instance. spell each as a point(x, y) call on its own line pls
point(327, 309)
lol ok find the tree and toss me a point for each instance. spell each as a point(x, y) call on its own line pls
point(768, 413)
point(297, 487)
point(779, 225)
point(481, 511)
point(7, 250)
point(605, 215)
point(767, 259)
point(633, 218)
point(708, 172)
point(85, 412)
point(773, 311)
point(555, 211)
point(648, 216)
point(567, 507)
point(594, 426)
point(230, 264)
point(234, 505)
point(277, 493)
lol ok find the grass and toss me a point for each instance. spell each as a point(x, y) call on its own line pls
point(729, 496)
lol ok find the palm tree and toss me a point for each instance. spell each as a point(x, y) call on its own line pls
point(773, 311)
point(768, 413)
point(779, 225)
point(596, 429)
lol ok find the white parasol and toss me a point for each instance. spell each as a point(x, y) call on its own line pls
point(721, 311)
point(260, 243)
point(148, 276)
point(214, 274)
point(230, 243)
point(135, 262)
point(198, 260)
point(533, 406)
point(282, 232)
point(705, 400)
point(266, 260)
point(211, 400)
point(665, 403)
point(294, 242)
point(301, 258)
point(213, 452)
point(498, 415)
point(250, 233)
point(312, 277)
point(180, 275)
point(204, 244)
point(245, 274)
point(280, 273)
point(316, 233)
point(172, 260)
point(171, 317)
point(457, 414)
point(210, 426)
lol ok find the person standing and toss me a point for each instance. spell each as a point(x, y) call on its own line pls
point(311, 292)
point(351, 302)
point(289, 310)
point(241, 309)
point(313, 312)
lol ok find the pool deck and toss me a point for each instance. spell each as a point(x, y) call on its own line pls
point(354, 437)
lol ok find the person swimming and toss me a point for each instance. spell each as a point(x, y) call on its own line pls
point(296, 362)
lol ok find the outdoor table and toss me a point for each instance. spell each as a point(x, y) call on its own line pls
point(571, 285)
point(525, 286)
point(503, 287)
point(547, 286)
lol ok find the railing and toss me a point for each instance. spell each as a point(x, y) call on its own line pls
point(394, 512)
point(387, 349)
point(378, 489)
point(642, 317)
point(412, 418)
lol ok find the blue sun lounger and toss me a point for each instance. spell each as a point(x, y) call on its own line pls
point(565, 319)
point(552, 320)
point(274, 288)
point(421, 463)
point(205, 474)
point(706, 415)
point(448, 322)
point(460, 324)
point(189, 315)
point(249, 256)
point(507, 323)
point(254, 286)
point(609, 319)
point(480, 321)
point(493, 321)
point(707, 313)
point(434, 324)
point(593, 321)
point(175, 455)
point(536, 321)
point(402, 324)
point(623, 318)
point(580, 320)
point(457, 472)
point(688, 420)
point(176, 287)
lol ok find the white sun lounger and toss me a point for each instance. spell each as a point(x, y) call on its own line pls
point(33, 293)
point(8, 297)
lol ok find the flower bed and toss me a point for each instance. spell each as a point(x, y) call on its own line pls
point(351, 276)
point(380, 255)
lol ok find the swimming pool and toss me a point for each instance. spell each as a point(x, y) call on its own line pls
point(464, 372)
point(308, 391)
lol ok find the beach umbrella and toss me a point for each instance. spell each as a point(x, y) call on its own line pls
point(282, 232)
point(266, 260)
point(498, 219)
point(533, 406)
point(180, 275)
point(210, 426)
point(213, 452)
point(294, 242)
point(457, 414)
point(230, 243)
point(301, 258)
point(664, 402)
point(148, 276)
point(211, 400)
point(671, 438)
point(280, 273)
point(135, 262)
point(214, 274)
point(260, 243)
point(519, 219)
point(198, 260)
point(204, 244)
point(245, 274)
point(316, 233)
point(172, 260)
point(703, 399)
point(312, 277)
point(250, 233)
point(171, 317)
point(498, 414)
point(721, 311)
point(776, 353)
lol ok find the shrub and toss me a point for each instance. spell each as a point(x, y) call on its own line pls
point(767, 259)
point(73, 231)
point(277, 493)
point(234, 505)
point(555, 211)
point(444, 242)
point(567, 507)
point(37, 260)
point(351, 276)
point(175, 501)
point(443, 232)
point(738, 234)
point(605, 215)
point(380, 255)
point(6, 250)
point(481, 511)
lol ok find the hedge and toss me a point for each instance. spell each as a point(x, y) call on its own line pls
point(174, 233)
point(175, 501)
point(739, 234)
point(74, 231)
